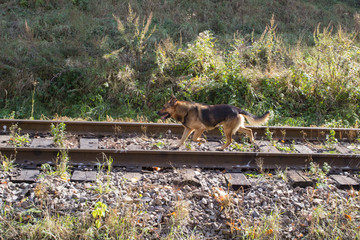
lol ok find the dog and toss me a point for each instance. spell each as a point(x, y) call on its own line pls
point(197, 118)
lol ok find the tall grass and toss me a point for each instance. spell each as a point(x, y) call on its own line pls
point(306, 84)
point(123, 59)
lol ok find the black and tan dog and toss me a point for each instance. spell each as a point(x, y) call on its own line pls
point(200, 117)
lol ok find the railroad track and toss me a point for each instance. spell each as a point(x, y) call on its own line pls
point(111, 128)
point(136, 146)
point(143, 145)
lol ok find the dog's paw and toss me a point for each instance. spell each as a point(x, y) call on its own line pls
point(219, 149)
point(174, 147)
point(202, 140)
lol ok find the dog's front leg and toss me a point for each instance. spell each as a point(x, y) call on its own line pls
point(186, 133)
point(197, 134)
point(228, 141)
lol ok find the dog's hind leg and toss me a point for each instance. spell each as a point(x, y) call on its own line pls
point(197, 134)
point(248, 132)
point(228, 133)
point(186, 133)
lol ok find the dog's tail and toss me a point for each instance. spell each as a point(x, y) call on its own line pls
point(255, 120)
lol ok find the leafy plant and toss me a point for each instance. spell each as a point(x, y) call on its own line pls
point(101, 187)
point(223, 137)
point(47, 170)
point(241, 147)
point(282, 174)
point(269, 135)
point(188, 145)
point(7, 163)
point(254, 175)
point(62, 167)
point(99, 213)
point(158, 145)
point(331, 140)
point(319, 173)
point(59, 134)
point(16, 139)
point(290, 149)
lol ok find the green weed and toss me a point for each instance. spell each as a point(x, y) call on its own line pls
point(158, 145)
point(101, 187)
point(47, 170)
point(62, 159)
point(254, 175)
point(282, 174)
point(59, 134)
point(241, 147)
point(98, 213)
point(331, 140)
point(269, 135)
point(319, 173)
point(188, 146)
point(16, 139)
point(7, 163)
point(288, 149)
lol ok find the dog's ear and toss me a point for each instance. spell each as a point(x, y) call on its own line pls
point(173, 100)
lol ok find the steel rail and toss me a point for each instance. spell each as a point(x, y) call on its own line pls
point(112, 128)
point(33, 157)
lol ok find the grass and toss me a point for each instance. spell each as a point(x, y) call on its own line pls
point(119, 226)
point(122, 223)
point(333, 223)
point(103, 179)
point(7, 163)
point(83, 59)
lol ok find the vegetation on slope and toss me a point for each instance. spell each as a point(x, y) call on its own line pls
point(95, 59)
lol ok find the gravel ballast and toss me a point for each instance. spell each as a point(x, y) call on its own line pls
point(204, 208)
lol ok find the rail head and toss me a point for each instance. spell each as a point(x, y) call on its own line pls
point(112, 128)
point(179, 159)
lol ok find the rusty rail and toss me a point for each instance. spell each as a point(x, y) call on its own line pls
point(111, 128)
point(34, 157)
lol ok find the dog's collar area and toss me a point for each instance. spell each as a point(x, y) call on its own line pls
point(184, 121)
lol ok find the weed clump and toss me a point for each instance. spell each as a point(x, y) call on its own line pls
point(16, 138)
point(59, 134)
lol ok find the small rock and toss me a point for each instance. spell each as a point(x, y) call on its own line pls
point(127, 199)
point(318, 201)
point(146, 199)
point(255, 214)
point(157, 201)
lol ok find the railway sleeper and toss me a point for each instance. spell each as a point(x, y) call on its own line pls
point(187, 177)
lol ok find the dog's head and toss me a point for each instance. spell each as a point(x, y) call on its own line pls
point(168, 109)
